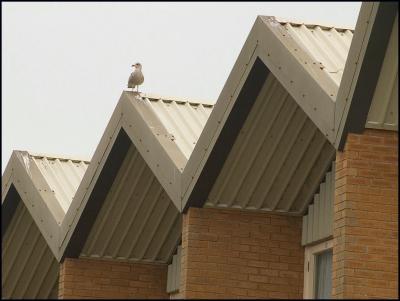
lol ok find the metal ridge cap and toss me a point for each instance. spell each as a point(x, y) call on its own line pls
point(177, 99)
point(39, 155)
point(298, 22)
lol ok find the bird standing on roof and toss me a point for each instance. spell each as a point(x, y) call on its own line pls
point(136, 77)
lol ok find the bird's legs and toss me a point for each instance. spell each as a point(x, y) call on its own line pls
point(137, 88)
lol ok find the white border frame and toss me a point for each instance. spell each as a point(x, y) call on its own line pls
point(311, 253)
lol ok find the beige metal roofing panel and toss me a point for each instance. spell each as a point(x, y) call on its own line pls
point(137, 221)
point(62, 175)
point(29, 268)
point(318, 222)
point(183, 120)
point(327, 47)
point(384, 110)
point(277, 161)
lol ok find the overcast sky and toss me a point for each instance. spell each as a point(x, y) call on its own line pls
point(64, 65)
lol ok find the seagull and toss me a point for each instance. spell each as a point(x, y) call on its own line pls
point(136, 77)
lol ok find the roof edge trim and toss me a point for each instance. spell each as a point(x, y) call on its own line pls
point(351, 110)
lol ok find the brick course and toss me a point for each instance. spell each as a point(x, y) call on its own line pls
point(365, 252)
point(94, 278)
point(237, 254)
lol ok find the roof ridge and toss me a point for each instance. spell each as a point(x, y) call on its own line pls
point(299, 22)
point(54, 156)
point(174, 98)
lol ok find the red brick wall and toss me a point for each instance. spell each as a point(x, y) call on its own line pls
point(237, 254)
point(365, 259)
point(91, 278)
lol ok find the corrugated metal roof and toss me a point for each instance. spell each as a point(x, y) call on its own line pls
point(174, 272)
point(63, 175)
point(29, 268)
point(327, 46)
point(184, 119)
point(384, 110)
point(318, 222)
point(137, 221)
point(278, 159)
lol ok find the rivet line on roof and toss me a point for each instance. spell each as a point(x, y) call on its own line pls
point(291, 82)
point(315, 108)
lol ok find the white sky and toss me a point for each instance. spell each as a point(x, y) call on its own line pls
point(64, 65)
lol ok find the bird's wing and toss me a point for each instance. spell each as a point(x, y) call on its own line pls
point(138, 77)
point(131, 81)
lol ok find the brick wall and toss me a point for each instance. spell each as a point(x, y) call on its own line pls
point(237, 254)
point(91, 278)
point(365, 260)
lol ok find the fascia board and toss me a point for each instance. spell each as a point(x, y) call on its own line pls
point(144, 116)
point(43, 187)
point(90, 178)
point(219, 114)
point(353, 65)
point(309, 86)
point(36, 206)
point(153, 143)
point(363, 66)
point(6, 180)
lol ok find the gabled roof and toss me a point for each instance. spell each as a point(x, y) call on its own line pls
point(306, 64)
point(158, 134)
point(275, 126)
point(310, 74)
point(36, 191)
